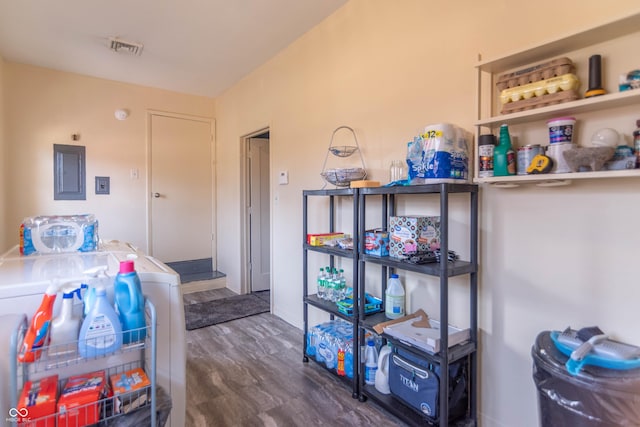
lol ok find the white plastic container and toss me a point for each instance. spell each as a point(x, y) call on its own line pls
point(382, 375)
point(561, 130)
point(370, 363)
point(394, 298)
point(101, 331)
point(64, 328)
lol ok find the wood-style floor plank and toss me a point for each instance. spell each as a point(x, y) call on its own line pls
point(249, 372)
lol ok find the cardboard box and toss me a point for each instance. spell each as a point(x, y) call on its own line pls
point(37, 403)
point(411, 234)
point(130, 389)
point(376, 242)
point(418, 330)
point(320, 239)
point(79, 405)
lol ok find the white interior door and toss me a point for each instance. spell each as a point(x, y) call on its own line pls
point(260, 251)
point(181, 188)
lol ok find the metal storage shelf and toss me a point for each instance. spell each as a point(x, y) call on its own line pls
point(455, 268)
point(406, 414)
point(333, 252)
point(328, 306)
point(447, 355)
point(345, 253)
point(73, 364)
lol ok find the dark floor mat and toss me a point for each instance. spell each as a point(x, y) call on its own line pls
point(209, 313)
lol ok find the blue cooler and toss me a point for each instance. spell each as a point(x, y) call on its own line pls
point(416, 382)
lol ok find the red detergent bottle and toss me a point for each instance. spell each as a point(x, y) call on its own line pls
point(129, 302)
point(38, 331)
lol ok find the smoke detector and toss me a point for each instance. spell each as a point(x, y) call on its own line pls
point(119, 45)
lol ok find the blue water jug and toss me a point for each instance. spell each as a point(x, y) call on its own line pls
point(129, 302)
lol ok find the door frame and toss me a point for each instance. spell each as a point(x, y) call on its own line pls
point(148, 187)
point(245, 224)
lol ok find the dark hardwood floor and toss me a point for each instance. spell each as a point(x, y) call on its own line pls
point(249, 372)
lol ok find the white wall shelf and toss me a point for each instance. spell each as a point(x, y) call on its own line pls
point(614, 38)
point(555, 179)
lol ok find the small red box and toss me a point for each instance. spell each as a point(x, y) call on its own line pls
point(78, 404)
point(37, 403)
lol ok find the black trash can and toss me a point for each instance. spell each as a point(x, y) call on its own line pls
point(596, 397)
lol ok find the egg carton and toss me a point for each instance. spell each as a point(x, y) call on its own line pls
point(543, 84)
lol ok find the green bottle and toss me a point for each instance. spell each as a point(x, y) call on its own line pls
point(504, 158)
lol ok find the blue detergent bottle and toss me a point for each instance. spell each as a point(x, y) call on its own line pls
point(101, 332)
point(129, 301)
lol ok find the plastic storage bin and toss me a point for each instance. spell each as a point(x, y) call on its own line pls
point(596, 397)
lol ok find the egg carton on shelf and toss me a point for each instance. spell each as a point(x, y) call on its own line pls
point(543, 84)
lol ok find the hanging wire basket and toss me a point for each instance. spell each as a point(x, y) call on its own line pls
point(342, 177)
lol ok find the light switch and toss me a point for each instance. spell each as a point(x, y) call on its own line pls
point(283, 178)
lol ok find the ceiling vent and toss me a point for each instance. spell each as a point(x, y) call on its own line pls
point(118, 45)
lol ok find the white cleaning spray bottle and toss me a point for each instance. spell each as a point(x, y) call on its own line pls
point(66, 326)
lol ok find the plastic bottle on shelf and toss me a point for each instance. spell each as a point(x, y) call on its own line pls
point(331, 286)
point(341, 344)
point(342, 286)
point(394, 298)
point(38, 331)
point(101, 332)
point(327, 282)
point(331, 355)
point(504, 158)
point(65, 327)
point(129, 302)
point(382, 375)
point(78, 306)
point(348, 357)
point(97, 277)
point(370, 363)
point(320, 281)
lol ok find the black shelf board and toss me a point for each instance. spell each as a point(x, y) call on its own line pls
point(456, 268)
point(345, 253)
point(406, 413)
point(328, 306)
point(330, 192)
point(422, 189)
point(371, 320)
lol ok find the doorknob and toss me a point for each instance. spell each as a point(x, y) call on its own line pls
point(156, 195)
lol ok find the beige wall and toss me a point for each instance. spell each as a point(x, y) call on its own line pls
point(46, 107)
point(3, 166)
point(551, 257)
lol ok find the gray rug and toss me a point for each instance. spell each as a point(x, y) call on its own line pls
point(203, 314)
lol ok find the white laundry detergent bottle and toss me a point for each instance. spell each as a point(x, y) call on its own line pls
point(65, 327)
point(382, 375)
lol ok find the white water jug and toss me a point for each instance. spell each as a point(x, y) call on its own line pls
point(382, 375)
